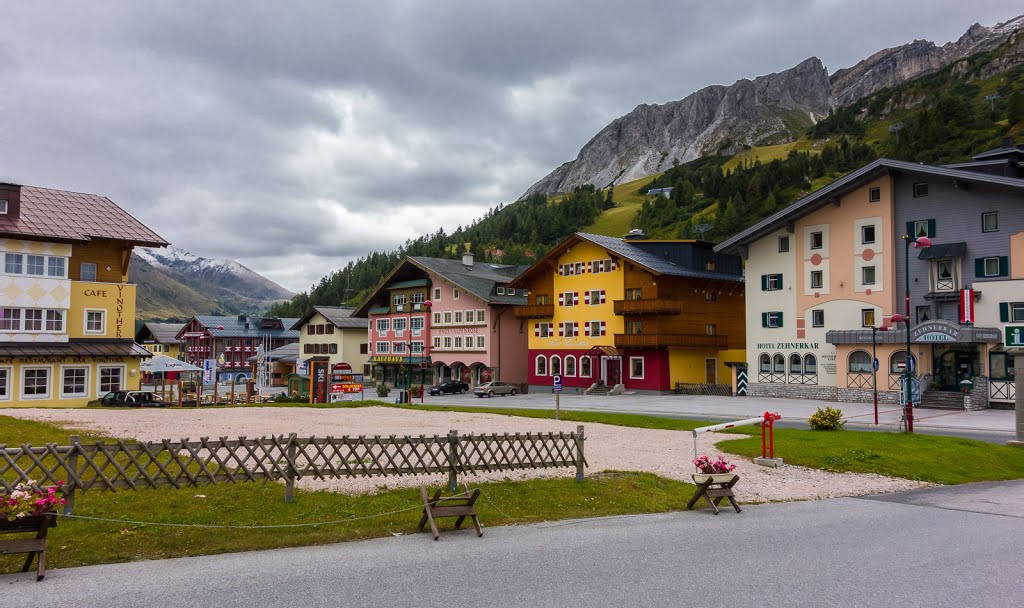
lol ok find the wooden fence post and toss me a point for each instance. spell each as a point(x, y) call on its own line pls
point(453, 460)
point(69, 483)
point(289, 484)
point(579, 452)
point(179, 392)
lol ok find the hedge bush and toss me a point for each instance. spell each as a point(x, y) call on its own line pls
point(828, 419)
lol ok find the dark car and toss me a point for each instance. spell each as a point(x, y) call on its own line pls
point(449, 387)
point(129, 399)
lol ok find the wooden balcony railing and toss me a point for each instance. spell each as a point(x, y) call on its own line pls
point(534, 311)
point(648, 307)
point(654, 340)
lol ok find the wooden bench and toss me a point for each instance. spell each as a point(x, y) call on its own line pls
point(714, 488)
point(34, 547)
point(459, 505)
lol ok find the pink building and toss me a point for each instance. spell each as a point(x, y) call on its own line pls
point(446, 319)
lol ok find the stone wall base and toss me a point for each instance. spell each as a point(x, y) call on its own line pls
point(792, 391)
point(863, 395)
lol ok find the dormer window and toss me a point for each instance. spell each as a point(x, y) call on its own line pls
point(501, 291)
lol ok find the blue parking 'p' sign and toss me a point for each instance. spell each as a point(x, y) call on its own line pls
point(556, 382)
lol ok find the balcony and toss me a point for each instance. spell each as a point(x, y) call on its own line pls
point(648, 307)
point(534, 311)
point(656, 340)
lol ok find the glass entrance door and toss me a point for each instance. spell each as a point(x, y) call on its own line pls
point(954, 366)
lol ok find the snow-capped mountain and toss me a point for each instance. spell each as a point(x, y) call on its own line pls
point(175, 283)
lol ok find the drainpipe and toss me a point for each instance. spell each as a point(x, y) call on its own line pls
point(497, 328)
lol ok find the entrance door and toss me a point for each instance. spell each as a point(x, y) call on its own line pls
point(711, 371)
point(613, 371)
point(954, 366)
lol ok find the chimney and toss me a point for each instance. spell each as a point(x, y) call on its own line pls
point(10, 201)
point(242, 318)
point(635, 235)
point(467, 260)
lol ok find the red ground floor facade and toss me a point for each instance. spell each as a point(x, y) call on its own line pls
point(636, 369)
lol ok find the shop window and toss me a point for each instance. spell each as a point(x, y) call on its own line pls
point(796, 364)
point(556, 365)
point(779, 364)
point(860, 362)
point(764, 363)
point(541, 365)
point(897, 362)
point(810, 365)
point(570, 365)
point(584, 367)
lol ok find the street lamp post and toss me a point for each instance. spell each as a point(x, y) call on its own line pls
point(920, 242)
point(408, 344)
point(874, 364)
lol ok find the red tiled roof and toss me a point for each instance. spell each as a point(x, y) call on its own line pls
point(58, 214)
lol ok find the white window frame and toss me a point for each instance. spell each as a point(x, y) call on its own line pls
point(500, 291)
point(455, 293)
point(773, 319)
point(643, 370)
point(481, 319)
point(784, 244)
point(817, 315)
point(24, 319)
point(383, 326)
point(417, 298)
point(567, 363)
point(551, 365)
point(47, 320)
point(774, 278)
point(595, 301)
point(447, 342)
point(458, 343)
point(437, 294)
point(6, 320)
point(63, 267)
point(82, 273)
point(28, 259)
point(437, 342)
point(5, 387)
point(99, 377)
point(481, 342)
point(820, 275)
point(447, 317)
point(544, 330)
point(103, 321)
point(985, 262)
point(589, 367)
point(874, 194)
point(398, 348)
point(399, 299)
point(864, 313)
point(382, 348)
point(537, 365)
point(85, 382)
point(21, 262)
point(416, 325)
point(398, 326)
point(49, 382)
point(416, 348)
point(821, 240)
point(864, 275)
point(459, 317)
point(864, 234)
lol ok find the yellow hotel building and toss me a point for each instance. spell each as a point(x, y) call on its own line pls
point(67, 311)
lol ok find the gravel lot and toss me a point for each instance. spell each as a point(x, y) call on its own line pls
point(665, 453)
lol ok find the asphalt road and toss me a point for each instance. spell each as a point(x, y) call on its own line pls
point(913, 549)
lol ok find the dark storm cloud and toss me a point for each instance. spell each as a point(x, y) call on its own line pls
point(295, 137)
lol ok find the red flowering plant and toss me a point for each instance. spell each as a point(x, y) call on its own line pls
point(25, 501)
point(708, 466)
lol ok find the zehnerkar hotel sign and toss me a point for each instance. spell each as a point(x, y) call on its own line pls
point(787, 346)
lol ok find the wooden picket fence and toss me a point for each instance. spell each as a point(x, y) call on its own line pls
point(119, 465)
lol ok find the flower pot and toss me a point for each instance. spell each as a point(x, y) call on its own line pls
point(32, 523)
point(700, 478)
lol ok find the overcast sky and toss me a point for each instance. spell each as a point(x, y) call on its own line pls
point(296, 136)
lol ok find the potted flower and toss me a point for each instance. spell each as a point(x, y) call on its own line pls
point(27, 508)
point(719, 470)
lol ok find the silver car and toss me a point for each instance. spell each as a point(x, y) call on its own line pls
point(494, 388)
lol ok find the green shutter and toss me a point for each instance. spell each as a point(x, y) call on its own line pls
point(1004, 312)
point(910, 229)
point(1004, 266)
point(764, 282)
point(778, 280)
point(979, 267)
point(780, 319)
point(931, 229)
point(764, 319)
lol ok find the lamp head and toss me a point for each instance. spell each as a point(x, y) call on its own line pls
point(922, 242)
point(898, 318)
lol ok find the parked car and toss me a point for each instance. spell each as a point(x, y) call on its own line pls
point(494, 388)
point(129, 399)
point(448, 388)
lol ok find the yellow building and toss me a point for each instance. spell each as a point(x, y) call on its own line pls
point(67, 311)
point(632, 313)
point(160, 338)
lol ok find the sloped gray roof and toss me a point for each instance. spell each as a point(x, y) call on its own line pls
point(289, 353)
point(163, 333)
point(235, 328)
point(340, 316)
point(481, 279)
point(653, 262)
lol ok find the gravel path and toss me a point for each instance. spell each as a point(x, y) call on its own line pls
point(665, 453)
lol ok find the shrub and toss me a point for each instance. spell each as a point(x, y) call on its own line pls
point(828, 419)
point(383, 390)
point(417, 391)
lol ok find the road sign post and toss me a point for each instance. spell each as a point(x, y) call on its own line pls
point(556, 386)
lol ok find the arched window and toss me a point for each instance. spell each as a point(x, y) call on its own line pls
point(796, 364)
point(896, 362)
point(556, 365)
point(860, 362)
point(570, 365)
point(810, 365)
point(584, 367)
point(541, 365)
point(779, 364)
point(764, 363)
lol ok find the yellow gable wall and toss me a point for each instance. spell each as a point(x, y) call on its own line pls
point(116, 299)
point(108, 256)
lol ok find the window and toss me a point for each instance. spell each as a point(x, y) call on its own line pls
point(455, 293)
point(867, 317)
point(74, 382)
point(55, 267)
point(570, 365)
point(783, 244)
point(634, 293)
point(543, 330)
point(920, 189)
point(5, 383)
point(867, 235)
point(481, 342)
point(35, 265)
point(594, 297)
point(437, 341)
point(817, 318)
point(796, 364)
point(567, 329)
point(458, 341)
point(874, 195)
point(923, 313)
point(764, 363)
point(310, 330)
point(711, 329)
point(54, 320)
point(35, 382)
point(418, 297)
point(1000, 365)
point(990, 221)
point(919, 228)
point(416, 348)
point(897, 361)
point(398, 325)
point(398, 348)
point(447, 342)
point(480, 316)
point(567, 298)
point(540, 365)
point(437, 318)
point(3, 207)
point(859, 362)
point(437, 293)
point(383, 325)
point(1016, 311)
point(400, 299)
point(383, 348)
point(511, 292)
point(448, 317)
point(13, 263)
point(10, 319)
point(542, 300)
point(817, 241)
point(556, 365)
point(501, 291)
point(417, 325)
point(779, 364)
point(810, 365)
point(817, 279)
point(771, 282)
point(88, 271)
point(33, 320)
point(458, 317)
point(771, 319)
point(944, 275)
point(710, 265)
point(710, 296)
point(320, 329)
point(867, 275)
point(584, 367)
point(996, 266)
point(634, 327)
point(111, 379)
point(636, 368)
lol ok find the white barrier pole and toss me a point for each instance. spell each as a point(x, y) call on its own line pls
point(723, 426)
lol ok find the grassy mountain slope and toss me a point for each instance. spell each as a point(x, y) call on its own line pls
point(158, 296)
point(619, 219)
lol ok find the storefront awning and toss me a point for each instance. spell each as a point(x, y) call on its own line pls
point(929, 332)
point(398, 359)
point(74, 348)
point(943, 250)
point(602, 351)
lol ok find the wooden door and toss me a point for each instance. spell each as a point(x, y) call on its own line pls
point(711, 371)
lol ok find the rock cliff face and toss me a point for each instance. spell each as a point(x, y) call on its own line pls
point(769, 109)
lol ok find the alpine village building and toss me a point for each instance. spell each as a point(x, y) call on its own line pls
point(830, 267)
point(634, 314)
point(231, 341)
point(160, 338)
point(332, 346)
point(67, 311)
point(446, 320)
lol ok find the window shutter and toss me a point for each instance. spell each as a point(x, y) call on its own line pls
point(979, 267)
point(586, 329)
point(575, 328)
point(536, 330)
point(561, 299)
point(602, 296)
point(1004, 312)
point(603, 328)
point(931, 228)
point(586, 298)
point(910, 228)
point(575, 298)
point(780, 319)
point(561, 330)
point(764, 319)
point(778, 279)
point(1004, 266)
point(559, 270)
point(764, 282)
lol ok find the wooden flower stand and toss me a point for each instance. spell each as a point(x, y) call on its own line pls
point(459, 505)
point(714, 488)
point(34, 547)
